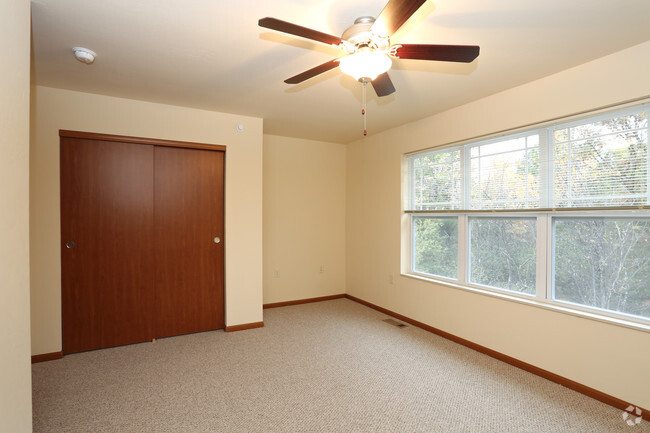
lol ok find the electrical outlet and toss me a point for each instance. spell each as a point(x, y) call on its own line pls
point(276, 273)
point(322, 269)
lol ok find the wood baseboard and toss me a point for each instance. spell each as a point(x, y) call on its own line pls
point(303, 301)
point(568, 383)
point(46, 357)
point(244, 326)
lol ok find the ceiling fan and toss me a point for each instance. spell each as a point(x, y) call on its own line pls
point(369, 49)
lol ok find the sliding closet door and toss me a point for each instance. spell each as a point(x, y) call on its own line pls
point(188, 240)
point(107, 243)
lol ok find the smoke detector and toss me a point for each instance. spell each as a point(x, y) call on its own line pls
point(84, 55)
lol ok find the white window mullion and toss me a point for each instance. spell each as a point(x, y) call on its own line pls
point(420, 176)
point(463, 227)
point(411, 245)
point(646, 107)
point(545, 170)
point(542, 259)
point(569, 171)
point(526, 183)
point(463, 248)
point(410, 180)
point(549, 253)
point(466, 176)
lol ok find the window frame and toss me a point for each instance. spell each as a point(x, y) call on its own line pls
point(544, 216)
point(544, 267)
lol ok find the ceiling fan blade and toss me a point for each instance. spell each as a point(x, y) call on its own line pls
point(313, 72)
point(383, 85)
point(446, 53)
point(293, 29)
point(394, 15)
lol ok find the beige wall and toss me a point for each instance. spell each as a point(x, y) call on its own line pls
point(304, 218)
point(54, 109)
point(15, 370)
point(609, 358)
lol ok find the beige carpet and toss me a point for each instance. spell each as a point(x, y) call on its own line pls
point(325, 367)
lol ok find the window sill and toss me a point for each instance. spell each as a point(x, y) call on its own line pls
point(535, 303)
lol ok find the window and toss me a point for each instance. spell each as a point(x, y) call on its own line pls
point(435, 246)
point(436, 180)
point(601, 162)
point(502, 253)
point(558, 213)
point(603, 263)
point(504, 174)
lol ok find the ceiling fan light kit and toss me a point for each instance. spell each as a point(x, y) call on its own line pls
point(368, 50)
point(365, 64)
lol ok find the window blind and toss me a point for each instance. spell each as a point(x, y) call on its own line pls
point(436, 182)
point(598, 161)
point(601, 162)
point(504, 173)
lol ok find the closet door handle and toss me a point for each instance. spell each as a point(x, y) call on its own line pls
point(217, 240)
point(69, 244)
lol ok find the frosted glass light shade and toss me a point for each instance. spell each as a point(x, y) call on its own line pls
point(365, 64)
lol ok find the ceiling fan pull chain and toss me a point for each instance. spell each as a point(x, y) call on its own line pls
point(363, 108)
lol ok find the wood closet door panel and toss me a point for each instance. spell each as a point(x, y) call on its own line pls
point(189, 264)
point(107, 211)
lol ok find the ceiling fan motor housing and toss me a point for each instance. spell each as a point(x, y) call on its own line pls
point(359, 35)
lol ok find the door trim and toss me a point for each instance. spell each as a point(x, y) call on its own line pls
point(139, 140)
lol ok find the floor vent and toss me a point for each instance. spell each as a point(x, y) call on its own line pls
point(395, 323)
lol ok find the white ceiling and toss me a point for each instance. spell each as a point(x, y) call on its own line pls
point(211, 54)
